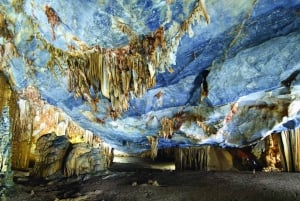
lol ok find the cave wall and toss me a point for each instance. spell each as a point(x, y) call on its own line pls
point(41, 139)
point(216, 53)
point(7, 106)
point(238, 53)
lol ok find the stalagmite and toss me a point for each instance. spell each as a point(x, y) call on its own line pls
point(105, 82)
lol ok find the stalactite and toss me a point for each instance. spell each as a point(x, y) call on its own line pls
point(22, 138)
point(170, 125)
point(193, 158)
point(89, 136)
point(108, 153)
point(208, 129)
point(289, 146)
point(118, 71)
point(168, 57)
point(203, 158)
point(53, 19)
point(105, 81)
point(167, 128)
point(153, 141)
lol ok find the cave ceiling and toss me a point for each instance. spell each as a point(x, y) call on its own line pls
point(185, 73)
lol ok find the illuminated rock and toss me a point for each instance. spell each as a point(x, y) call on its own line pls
point(84, 159)
point(124, 73)
point(7, 103)
point(51, 151)
point(205, 158)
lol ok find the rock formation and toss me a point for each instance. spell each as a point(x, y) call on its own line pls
point(138, 76)
point(51, 151)
point(84, 159)
point(7, 108)
point(56, 157)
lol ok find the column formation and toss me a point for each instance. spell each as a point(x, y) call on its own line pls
point(6, 176)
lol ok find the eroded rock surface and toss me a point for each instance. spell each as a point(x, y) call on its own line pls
point(51, 151)
point(84, 159)
point(169, 70)
point(56, 157)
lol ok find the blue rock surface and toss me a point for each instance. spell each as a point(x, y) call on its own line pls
point(248, 49)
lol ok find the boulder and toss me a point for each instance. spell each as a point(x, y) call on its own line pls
point(50, 153)
point(84, 159)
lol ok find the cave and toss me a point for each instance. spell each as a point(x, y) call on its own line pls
point(149, 100)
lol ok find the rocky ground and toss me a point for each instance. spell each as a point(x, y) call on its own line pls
point(128, 182)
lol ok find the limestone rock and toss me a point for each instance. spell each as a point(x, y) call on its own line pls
point(51, 151)
point(288, 144)
point(250, 49)
point(6, 123)
point(204, 158)
point(84, 159)
point(218, 159)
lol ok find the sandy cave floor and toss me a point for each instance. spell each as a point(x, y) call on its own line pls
point(136, 182)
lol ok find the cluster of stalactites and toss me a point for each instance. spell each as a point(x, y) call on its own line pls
point(289, 145)
point(117, 73)
point(199, 12)
point(169, 126)
point(153, 141)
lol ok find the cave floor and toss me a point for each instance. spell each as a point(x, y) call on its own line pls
point(128, 182)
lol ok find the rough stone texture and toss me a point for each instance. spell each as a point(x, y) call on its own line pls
point(36, 118)
point(265, 65)
point(272, 154)
point(6, 103)
point(219, 159)
point(84, 159)
point(56, 157)
point(249, 51)
point(204, 158)
point(22, 138)
point(288, 146)
point(50, 155)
